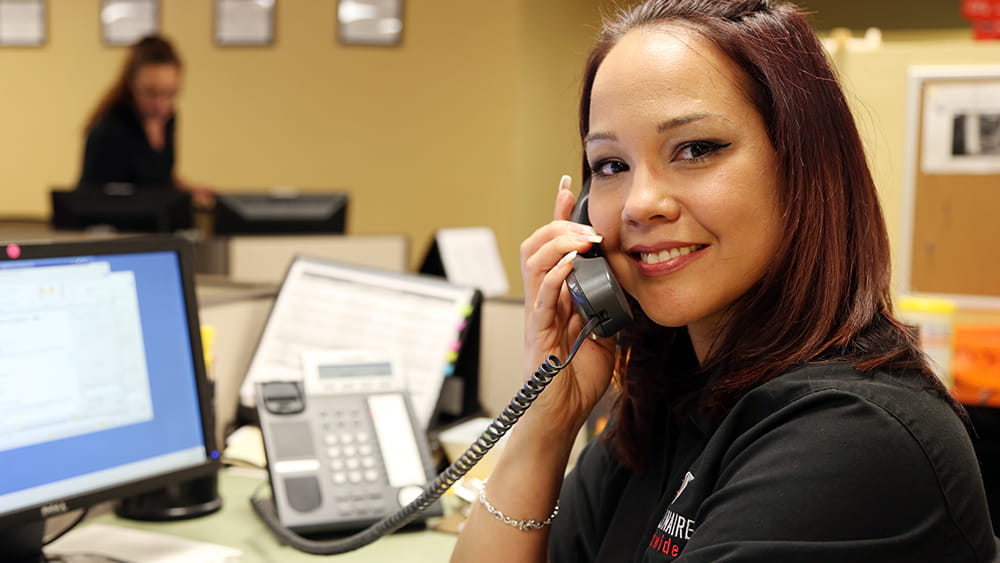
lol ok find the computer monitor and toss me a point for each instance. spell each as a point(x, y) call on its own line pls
point(123, 208)
point(280, 213)
point(102, 379)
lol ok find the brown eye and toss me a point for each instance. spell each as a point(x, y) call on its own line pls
point(608, 168)
point(698, 149)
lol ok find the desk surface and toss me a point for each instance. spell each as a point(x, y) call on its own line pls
point(236, 525)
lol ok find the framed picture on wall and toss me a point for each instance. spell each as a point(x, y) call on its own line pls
point(22, 23)
point(244, 22)
point(370, 22)
point(124, 22)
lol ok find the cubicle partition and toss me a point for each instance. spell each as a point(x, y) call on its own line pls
point(265, 258)
point(235, 314)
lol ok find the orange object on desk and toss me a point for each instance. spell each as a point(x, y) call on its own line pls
point(976, 365)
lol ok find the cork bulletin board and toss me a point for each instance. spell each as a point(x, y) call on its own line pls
point(951, 188)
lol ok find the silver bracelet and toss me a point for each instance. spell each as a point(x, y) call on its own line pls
point(523, 525)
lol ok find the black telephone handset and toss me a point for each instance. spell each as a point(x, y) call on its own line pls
point(595, 291)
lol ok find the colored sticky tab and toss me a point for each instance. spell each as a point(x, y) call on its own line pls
point(461, 326)
point(467, 310)
point(208, 347)
point(455, 346)
point(452, 356)
point(449, 369)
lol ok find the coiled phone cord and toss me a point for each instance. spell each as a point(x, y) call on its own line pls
point(489, 438)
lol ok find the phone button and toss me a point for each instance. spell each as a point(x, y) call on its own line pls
point(297, 466)
point(303, 493)
point(408, 494)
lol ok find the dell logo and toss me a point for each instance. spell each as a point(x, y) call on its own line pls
point(54, 508)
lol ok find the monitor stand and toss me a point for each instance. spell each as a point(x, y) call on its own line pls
point(22, 544)
point(188, 499)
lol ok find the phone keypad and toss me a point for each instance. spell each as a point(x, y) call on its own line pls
point(357, 479)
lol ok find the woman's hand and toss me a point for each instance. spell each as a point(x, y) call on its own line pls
point(203, 197)
point(526, 479)
point(551, 324)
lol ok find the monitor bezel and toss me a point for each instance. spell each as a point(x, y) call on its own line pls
point(211, 464)
point(121, 207)
point(228, 221)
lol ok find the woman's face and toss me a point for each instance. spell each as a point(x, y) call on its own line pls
point(154, 89)
point(685, 183)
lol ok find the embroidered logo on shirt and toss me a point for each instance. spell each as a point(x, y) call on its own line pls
point(688, 477)
point(674, 530)
point(672, 534)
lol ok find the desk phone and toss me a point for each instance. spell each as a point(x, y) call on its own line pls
point(342, 445)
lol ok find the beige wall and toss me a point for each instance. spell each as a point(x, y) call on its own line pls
point(469, 122)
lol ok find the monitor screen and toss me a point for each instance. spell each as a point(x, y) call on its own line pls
point(280, 213)
point(123, 208)
point(102, 377)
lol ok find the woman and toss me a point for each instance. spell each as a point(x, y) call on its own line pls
point(770, 406)
point(130, 136)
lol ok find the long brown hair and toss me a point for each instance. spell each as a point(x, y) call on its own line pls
point(826, 296)
point(149, 50)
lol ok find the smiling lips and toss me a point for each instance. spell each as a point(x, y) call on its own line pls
point(667, 261)
point(665, 255)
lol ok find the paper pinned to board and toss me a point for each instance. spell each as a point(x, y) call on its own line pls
point(961, 128)
point(127, 544)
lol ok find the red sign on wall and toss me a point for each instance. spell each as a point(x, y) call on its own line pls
point(985, 17)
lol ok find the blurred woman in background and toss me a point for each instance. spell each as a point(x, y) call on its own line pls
point(131, 133)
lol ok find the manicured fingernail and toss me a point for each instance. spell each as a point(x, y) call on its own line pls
point(569, 256)
point(565, 182)
point(592, 238)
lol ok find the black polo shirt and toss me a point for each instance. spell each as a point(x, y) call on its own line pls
point(822, 464)
point(118, 151)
